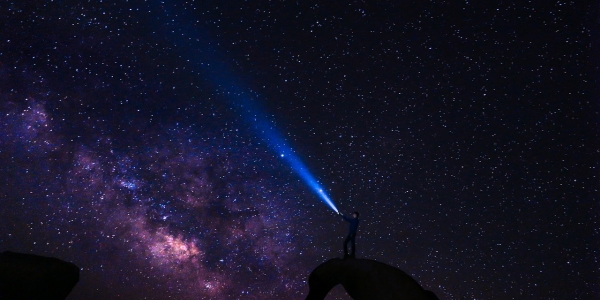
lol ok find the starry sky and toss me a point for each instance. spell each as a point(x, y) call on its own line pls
point(465, 134)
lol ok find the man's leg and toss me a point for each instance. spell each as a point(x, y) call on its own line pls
point(348, 238)
point(353, 241)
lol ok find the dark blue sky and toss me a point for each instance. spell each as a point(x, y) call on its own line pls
point(465, 134)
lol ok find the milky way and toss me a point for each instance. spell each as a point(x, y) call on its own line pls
point(464, 134)
point(186, 214)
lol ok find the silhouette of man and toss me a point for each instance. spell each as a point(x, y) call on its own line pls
point(351, 234)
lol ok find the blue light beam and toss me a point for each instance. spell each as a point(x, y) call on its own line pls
point(196, 46)
point(278, 144)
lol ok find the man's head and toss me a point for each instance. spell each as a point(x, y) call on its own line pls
point(355, 214)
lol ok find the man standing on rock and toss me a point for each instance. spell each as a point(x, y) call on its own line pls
point(351, 234)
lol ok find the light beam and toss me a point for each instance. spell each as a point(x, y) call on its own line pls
point(278, 144)
point(195, 45)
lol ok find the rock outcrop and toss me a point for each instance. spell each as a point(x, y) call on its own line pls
point(28, 276)
point(365, 279)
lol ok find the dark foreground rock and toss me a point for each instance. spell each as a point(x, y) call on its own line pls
point(29, 277)
point(365, 279)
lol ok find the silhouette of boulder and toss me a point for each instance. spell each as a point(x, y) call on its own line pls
point(365, 279)
point(28, 276)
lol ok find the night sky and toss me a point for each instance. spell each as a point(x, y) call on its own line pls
point(466, 135)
